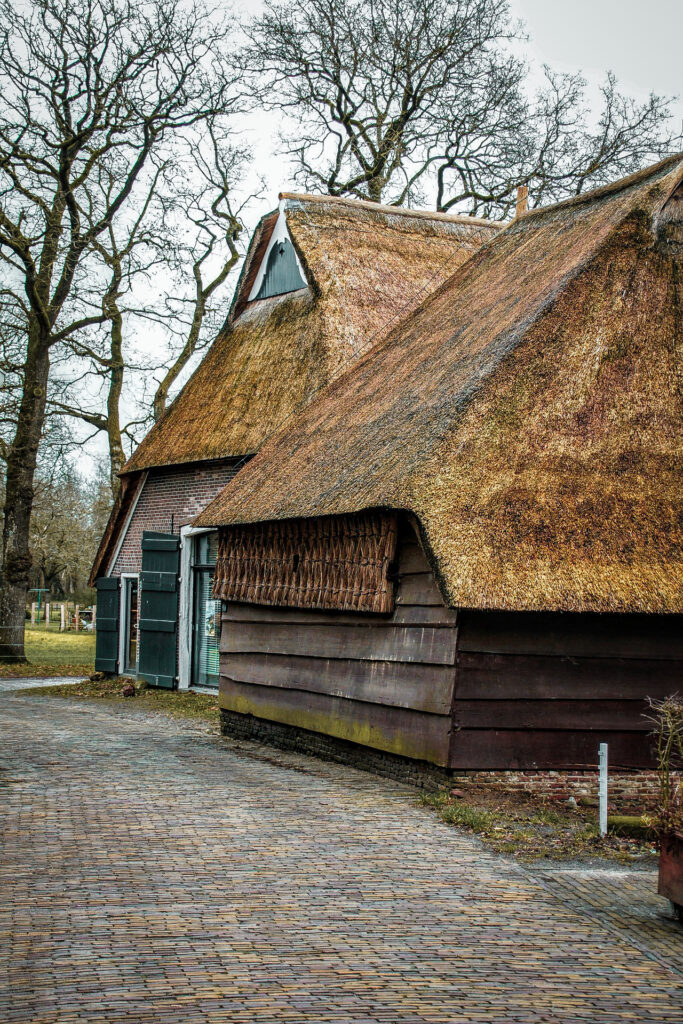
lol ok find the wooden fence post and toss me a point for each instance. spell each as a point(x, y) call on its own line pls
point(47, 615)
point(62, 618)
point(77, 618)
point(94, 617)
point(33, 613)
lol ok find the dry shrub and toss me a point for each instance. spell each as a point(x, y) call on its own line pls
point(668, 718)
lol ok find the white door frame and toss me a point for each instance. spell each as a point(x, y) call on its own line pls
point(187, 535)
point(123, 621)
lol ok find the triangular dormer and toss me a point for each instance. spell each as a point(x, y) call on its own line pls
point(280, 271)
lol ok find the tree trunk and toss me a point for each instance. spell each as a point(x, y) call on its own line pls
point(117, 457)
point(375, 188)
point(21, 467)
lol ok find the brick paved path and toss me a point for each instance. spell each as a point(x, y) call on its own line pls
point(153, 873)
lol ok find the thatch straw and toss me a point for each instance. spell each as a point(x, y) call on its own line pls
point(340, 562)
point(529, 414)
point(368, 267)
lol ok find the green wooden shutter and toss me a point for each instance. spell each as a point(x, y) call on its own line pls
point(282, 273)
point(107, 625)
point(158, 597)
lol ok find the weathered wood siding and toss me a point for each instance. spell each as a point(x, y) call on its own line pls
point(502, 691)
point(383, 681)
point(544, 690)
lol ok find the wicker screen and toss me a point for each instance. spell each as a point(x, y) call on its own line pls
point(339, 562)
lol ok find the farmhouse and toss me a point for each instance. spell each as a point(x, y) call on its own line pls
point(467, 552)
point(323, 281)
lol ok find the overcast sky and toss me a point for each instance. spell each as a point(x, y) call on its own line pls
point(640, 40)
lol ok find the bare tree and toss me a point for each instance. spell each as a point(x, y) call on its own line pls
point(204, 203)
point(398, 100)
point(166, 270)
point(65, 527)
point(546, 144)
point(101, 346)
point(83, 85)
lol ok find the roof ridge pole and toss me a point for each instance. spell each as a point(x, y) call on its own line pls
point(522, 204)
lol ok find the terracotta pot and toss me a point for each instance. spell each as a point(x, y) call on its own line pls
point(671, 870)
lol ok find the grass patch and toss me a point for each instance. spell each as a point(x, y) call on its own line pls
point(51, 653)
point(200, 707)
point(629, 825)
point(529, 828)
point(455, 812)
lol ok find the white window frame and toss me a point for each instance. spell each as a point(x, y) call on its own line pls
point(123, 622)
point(185, 605)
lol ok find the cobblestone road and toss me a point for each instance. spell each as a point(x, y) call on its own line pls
point(153, 873)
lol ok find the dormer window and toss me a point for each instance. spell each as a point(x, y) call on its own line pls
point(280, 272)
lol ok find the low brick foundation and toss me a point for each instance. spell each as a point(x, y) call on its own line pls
point(626, 788)
point(329, 748)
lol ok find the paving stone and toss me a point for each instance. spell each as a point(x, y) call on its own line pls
point(153, 873)
point(30, 683)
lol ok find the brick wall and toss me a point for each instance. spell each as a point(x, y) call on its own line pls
point(175, 493)
point(637, 787)
point(635, 790)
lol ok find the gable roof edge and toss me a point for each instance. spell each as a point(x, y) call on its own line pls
point(610, 188)
point(396, 211)
point(249, 257)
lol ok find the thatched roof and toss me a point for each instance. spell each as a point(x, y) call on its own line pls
point(529, 415)
point(367, 268)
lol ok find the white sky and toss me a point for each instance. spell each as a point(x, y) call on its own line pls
point(640, 40)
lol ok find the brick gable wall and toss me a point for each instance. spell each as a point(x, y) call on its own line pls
point(171, 498)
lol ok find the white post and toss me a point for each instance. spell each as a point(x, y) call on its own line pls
point(62, 618)
point(94, 617)
point(602, 795)
point(47, 615)
point(33, 613)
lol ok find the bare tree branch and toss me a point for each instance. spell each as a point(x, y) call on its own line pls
point(411, 100)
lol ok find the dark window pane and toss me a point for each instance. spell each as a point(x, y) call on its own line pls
point(206, 549)
point(131, 625)
point(206, 628)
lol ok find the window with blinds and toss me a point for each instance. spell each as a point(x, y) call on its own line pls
point(206, 618)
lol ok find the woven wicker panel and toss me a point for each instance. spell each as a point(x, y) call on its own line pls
point(337, 562)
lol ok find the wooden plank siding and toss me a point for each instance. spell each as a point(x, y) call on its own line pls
point(573, 635)
point(383, 681)
point(423, 687)
point(398, 730)
point(544, 690)
point(377, 642)
point(469, 690)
